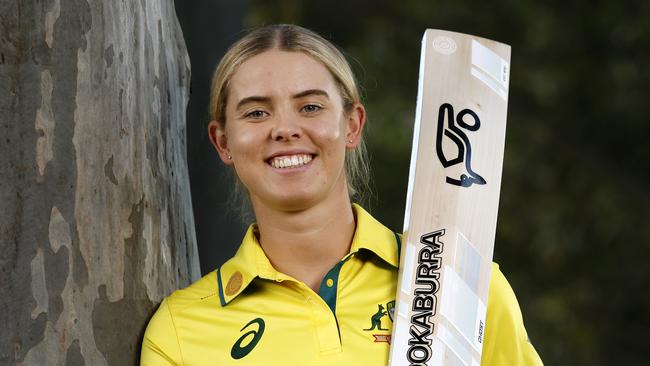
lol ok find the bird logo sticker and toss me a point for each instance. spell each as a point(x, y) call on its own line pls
point(453, 129)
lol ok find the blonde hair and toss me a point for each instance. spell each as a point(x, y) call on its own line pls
point(293, 38)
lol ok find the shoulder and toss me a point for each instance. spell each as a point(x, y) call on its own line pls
point(161, 343)
point(200, 294)
point(506, 340)
point(200, 291)
point(501, 295)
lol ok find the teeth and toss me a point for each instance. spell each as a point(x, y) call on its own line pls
point(292, 161)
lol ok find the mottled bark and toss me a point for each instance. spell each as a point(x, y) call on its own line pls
point(96, 221)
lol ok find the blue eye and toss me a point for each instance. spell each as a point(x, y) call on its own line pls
point(256, 114)
point(311, 108)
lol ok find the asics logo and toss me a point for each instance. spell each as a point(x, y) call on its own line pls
point(240, 351)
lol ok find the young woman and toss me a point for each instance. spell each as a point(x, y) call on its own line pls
point(315, 276)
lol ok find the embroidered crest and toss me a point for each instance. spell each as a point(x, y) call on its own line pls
point(376, 322)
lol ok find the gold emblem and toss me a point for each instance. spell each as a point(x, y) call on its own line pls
point(234, 283)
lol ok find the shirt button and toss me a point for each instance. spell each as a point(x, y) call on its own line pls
point(330, 282)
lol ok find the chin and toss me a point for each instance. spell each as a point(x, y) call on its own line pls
point(295, 204)
point(297, 201)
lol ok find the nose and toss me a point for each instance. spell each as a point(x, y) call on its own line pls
point(286, 128)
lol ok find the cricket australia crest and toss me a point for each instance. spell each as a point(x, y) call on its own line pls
point(376, 322)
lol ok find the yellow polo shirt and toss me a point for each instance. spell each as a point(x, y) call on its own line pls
point(247, 313)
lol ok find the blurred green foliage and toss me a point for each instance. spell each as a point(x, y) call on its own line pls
point(573, 232)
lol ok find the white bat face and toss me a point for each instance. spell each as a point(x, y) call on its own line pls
point(452, 201)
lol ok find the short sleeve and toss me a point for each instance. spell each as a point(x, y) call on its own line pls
point(160, 344)
point(506, 340)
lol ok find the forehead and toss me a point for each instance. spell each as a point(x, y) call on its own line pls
point(276, 72)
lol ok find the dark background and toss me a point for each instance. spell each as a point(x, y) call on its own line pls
point(573, 231)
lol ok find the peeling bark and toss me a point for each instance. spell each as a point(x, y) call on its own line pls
point(96, 222)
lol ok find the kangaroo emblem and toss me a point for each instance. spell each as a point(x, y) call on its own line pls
point(376, 319)
point(454, 133)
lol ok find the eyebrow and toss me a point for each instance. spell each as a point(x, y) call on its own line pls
point(252, 99)
point(263, 99)
point(311, 92)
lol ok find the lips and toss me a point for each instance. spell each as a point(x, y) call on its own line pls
point(290, 161)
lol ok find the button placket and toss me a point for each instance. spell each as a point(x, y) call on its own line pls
point(324, 322)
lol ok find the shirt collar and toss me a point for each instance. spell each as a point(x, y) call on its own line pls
point(251, 262)
point(370, 234)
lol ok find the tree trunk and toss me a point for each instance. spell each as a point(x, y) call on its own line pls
point(96, 220)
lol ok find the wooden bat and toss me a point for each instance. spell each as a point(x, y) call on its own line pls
point(452, 201)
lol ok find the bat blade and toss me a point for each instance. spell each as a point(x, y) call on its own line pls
point(452, 201)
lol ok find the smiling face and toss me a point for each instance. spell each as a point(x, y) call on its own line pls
point(286, 131)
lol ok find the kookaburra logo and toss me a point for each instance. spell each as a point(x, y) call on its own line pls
point(453, 130)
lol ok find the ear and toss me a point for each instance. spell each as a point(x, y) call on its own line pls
point(219, 140)
point(356, 120)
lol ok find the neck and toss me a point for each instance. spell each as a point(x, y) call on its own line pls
point(306, 244)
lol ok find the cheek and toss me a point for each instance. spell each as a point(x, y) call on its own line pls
point(331, 138)
point(328, 131)
point(243, 140)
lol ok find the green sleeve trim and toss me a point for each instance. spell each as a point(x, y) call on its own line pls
point(399, 247)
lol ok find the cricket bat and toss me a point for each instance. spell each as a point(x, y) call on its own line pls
point(452, 201)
